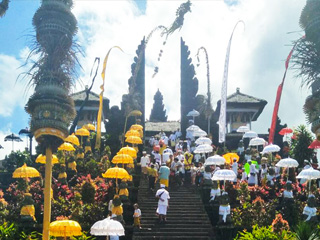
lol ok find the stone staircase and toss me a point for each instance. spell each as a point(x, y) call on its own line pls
point(186, 218)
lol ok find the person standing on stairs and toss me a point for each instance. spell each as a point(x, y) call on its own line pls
point(144, 161)
point(153, 175)
point(164, 173)
point(163, 203)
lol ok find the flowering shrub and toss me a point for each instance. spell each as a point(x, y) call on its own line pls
point(259, 212)
point(3, 208)
point(279, 224)
point(265, 233)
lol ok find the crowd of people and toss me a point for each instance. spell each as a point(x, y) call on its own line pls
point(173, 162)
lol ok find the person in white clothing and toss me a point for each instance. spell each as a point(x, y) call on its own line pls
point(253, 177)
point(144, 161)
point(163, 195)
point(244, 176)
point(234, 167)
point(165, 140)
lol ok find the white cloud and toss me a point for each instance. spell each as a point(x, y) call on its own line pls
point(13, 90)
point(256, 63)
point(257, 54)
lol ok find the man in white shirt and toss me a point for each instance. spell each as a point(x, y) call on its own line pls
point(157, 157)
point(163, 203)
point(165, 139)
point(144, 161)
point(178, 133)
point(166, 154)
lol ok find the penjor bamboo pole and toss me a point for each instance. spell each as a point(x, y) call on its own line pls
point(47, 195)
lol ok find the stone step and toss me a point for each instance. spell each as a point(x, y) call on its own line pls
point(176, 229)
point(185, 232)
point(175, 226)
point(169, 237)
point(174, 221)
point(189, 211)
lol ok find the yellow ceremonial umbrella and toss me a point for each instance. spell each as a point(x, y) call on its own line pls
point(134, 140)
point(117, 173)
point(25, 172)
point(72, 139)
point(230, 156)
point(82, 132)
point(133, 133)
point(136, 127)
point(89, 127)
point(122, 158)
point(129, 151)
point(42, 159)
point(66, 147)
point(65, 228)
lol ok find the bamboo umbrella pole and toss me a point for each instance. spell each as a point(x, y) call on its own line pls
point(47, 195)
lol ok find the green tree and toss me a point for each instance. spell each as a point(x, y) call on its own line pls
point(17, 159)
point(4, 5)
point(299, 147)
point(158, 114)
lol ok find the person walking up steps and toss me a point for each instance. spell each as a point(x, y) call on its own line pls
point(164, 173)
point(136, 216)
point(163, 203)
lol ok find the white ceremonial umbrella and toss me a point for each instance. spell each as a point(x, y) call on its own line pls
point(193, 113)
point(271, 148)
point(288, 163)
point(215, 160)
point(257, 141)
point(203, 140)
point(203, 148)
point(243, 129)
point(309, 174)
point(250, 134)
point(193, 128)
point(225, 175)
point(199, 133)
point(107, 227)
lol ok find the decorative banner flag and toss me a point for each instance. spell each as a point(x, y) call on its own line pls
point(98, 137)
point(278, 97)
point(223, 103)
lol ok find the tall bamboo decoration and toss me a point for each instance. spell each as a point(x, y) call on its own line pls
point(51, 108)
point(208, 108)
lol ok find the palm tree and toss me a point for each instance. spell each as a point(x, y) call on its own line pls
point(307, 61)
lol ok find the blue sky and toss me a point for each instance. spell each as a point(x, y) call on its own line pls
point(256, 64)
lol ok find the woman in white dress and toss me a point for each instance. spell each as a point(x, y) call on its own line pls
point(253, 177)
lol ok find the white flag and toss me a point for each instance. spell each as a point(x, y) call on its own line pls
point(223, 104)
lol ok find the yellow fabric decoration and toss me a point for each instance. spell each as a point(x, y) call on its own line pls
point(87, 149)
point(72, 166)
point(165, 182)
point(80, 155)
point(124, 192)
point(62, 175)
point(28, 210)
point(103, 74)
point(117, 210)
